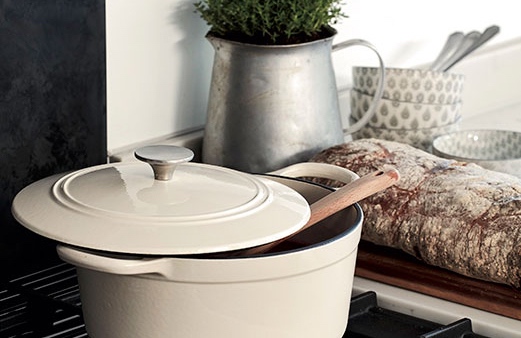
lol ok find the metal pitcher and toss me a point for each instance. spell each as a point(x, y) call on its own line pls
point(272, 106)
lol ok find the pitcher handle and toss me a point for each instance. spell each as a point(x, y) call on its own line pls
point(379, 90)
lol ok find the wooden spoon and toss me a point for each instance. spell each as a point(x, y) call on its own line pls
point(338, 200)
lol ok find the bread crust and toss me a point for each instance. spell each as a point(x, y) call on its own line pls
point(454, 215)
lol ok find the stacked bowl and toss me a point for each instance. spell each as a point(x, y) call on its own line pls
point(498, 150)
point(416, 106)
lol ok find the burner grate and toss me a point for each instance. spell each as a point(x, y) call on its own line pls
point(46, 304)
point(367, 320)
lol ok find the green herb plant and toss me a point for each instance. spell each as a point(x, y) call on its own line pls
point(270, 22)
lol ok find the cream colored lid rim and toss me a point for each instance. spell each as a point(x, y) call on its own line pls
point(122, 208)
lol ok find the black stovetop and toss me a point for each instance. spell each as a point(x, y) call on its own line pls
point(46, 304)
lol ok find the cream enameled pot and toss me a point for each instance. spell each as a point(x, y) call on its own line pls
point(132, 290)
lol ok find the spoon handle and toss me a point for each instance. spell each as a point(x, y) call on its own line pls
point(487, 35)
point(451, 45)
point(340, 199)
point(468, 40)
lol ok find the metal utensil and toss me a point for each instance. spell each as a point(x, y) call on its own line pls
point(488, 34)
point(468, 40)
point(451, 45)
point(457, 47)
point(330, 204)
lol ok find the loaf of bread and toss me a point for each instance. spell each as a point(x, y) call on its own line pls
point(450, 214)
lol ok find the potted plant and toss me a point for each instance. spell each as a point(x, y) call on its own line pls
point(271, 22)
point(273, 99)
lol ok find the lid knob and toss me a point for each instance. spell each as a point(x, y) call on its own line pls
point(163, 159)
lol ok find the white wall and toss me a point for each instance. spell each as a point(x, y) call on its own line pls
point(159, 63)
point(158, 69)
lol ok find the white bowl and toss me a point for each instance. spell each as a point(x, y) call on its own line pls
point(498, 150)
point(411, 85)
point(419, 138)
point(391, 114)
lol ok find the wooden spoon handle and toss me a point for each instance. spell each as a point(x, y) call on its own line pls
point(340, 199)
point(351, 193)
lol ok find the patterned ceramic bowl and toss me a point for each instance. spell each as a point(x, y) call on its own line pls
point(498, 150)
point(419, 138)
point(391, 114)
point(411, 85)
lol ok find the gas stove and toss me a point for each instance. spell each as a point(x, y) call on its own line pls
point(46, 304)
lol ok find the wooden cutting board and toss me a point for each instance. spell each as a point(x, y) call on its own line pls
point(394, 267)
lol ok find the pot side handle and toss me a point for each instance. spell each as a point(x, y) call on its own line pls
point(112, 263)
point(319, 170)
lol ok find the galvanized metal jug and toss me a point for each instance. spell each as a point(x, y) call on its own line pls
point(272, 106)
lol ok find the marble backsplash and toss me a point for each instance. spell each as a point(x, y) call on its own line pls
point(52, 106)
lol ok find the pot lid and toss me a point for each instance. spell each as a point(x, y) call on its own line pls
point(169, 207)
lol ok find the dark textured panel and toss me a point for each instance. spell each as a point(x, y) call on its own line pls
point(52, 104)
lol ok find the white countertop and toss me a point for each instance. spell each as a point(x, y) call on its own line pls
point(438, 310)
